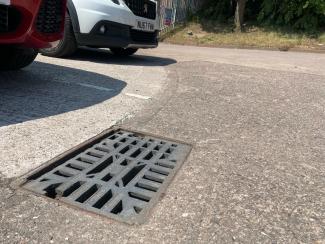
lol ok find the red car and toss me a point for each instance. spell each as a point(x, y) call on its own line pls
point(26, 26)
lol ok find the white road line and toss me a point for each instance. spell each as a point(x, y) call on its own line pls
point(137, 96)
point(86, 85)
point(95, 87)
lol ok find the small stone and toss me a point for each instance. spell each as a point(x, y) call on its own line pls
point(190, 33)
point(185, 215)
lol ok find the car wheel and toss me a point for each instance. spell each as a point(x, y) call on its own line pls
point(13, 58)
point(123, 52)
point(65, 47)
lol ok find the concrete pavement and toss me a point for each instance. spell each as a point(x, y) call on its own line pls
point(255, 118)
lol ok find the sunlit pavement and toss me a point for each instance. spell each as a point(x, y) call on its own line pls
point(255, 118)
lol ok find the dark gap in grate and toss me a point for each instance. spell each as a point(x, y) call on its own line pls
point(132, 174)
point(103, 200)
point(87, 194)
point(123, 140)
point(125, 149)
point(94, 154)
point(101, 166)
point(152, 178)
point(136, 153)
point(164, 156)
point(164, 165)
point(85, 160)
point(149, 155)
point(157, 147)
point(102, 149)
point(113, 137)
point(118, 208)
point(72, 188)
point(50, 190)
point(62, 173)
point(137, 209)
point(146, 187)
point(161, 172)
point(107, 177)
point(140, 197)
point(145, 145)
point(125, 162)
point(116, 145)
point(75, 166)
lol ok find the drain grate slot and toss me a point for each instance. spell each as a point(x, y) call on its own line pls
point(131, 174)
point(101, 166)
point(72, 188)
point(118, 208)
point(119, 174)
point(103, 200)
point(87, 194)
point(50, 190)
point(139, 196)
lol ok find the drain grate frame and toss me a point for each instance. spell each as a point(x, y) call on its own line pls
point(119, 174)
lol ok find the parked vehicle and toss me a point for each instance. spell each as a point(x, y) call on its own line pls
point(26, 26)
point(124, 26)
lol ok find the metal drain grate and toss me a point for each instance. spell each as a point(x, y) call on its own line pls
point(118, 174)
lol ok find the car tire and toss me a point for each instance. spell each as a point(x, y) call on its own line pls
point(14, 58)
point(65, 47)
point(123, 52)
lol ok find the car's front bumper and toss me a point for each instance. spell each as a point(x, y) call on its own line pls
point(117, 35)
point(27, 33)
point(89, 13)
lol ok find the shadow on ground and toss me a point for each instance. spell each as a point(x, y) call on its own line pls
point(106, 57)
point(44, 90)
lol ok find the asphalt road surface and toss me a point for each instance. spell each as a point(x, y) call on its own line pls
point(256, 120)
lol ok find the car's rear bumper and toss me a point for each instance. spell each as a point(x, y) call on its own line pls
point(117, 35)
point(27, 31)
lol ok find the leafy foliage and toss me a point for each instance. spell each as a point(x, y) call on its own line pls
point(305, 15)
point(220, 10)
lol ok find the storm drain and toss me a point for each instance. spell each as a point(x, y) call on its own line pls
point(119, 174)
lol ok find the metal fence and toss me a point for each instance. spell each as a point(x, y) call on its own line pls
point(173, 12)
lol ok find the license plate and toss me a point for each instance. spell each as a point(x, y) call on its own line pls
point(144, 26)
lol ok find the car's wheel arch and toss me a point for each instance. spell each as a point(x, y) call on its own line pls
point(73, 16)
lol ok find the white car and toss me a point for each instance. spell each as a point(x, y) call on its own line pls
point(124, 26)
